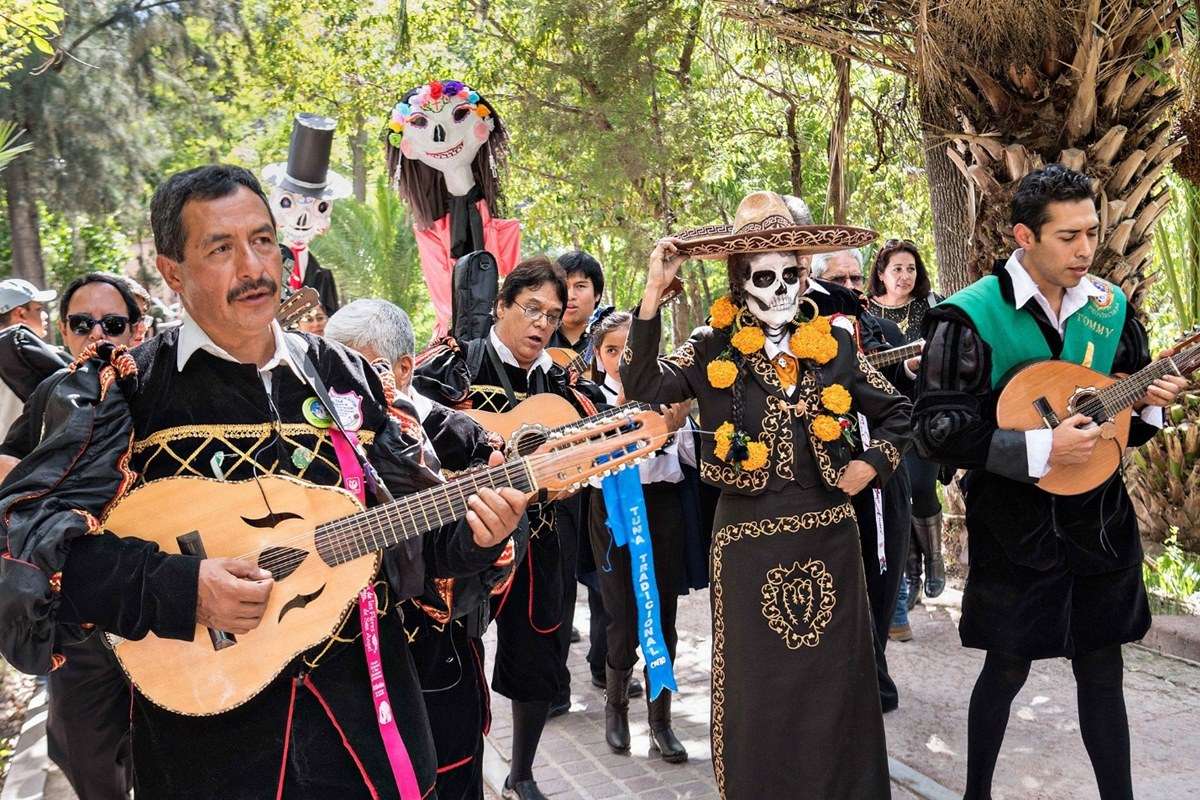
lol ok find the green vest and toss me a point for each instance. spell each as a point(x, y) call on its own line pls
point(1090, 339)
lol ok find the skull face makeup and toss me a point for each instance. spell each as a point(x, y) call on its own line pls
point(773, 290)
point(299, 218)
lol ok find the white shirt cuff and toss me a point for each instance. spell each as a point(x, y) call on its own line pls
point(1152, 415)
point(1038, 444)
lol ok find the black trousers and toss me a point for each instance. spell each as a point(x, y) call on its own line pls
point(665, 520)
point(883, 586)
point(570, 533)
point(87, 724)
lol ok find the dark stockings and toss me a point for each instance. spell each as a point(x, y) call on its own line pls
point(1102, 719)
point(528, 721)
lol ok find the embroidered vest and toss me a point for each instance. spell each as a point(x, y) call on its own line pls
point(1090, 338)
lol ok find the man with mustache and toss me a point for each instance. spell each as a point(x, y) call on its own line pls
point(226, 397)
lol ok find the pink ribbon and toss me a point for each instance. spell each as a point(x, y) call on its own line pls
point(402, 768)
point(352, 471)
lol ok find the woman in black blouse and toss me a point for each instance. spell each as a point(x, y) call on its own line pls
point(899, 290)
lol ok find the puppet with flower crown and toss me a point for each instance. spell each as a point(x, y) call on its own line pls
point(446, 149)
point(779, 387)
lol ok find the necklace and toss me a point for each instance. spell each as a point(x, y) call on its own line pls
point(892, 313)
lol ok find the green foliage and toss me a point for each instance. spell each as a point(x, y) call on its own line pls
point(370, 247)
point(1174, 573)
point(73, 247)
point(10, 144)
point(1174, 299)
point(26, 26)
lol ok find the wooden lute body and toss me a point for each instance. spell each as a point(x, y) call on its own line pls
point(321, 549)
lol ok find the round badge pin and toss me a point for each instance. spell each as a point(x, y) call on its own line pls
point(302, 457)
point(315, 413)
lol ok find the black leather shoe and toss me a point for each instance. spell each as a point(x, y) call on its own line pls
point(559, 708)
point(523, 790)
point(575, 636)
point(598, 680)
point(635, 688)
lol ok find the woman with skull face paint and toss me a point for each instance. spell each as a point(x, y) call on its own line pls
point(780, 388)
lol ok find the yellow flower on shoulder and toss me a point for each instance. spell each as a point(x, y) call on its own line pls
point(756, 457)
point(749, 339)
point(826, 428)
point(721, 373)
point(821, 324)
point(721, 313)
point(723, 439)
point(836, 398)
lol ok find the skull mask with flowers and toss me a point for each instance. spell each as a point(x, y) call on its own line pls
point(773, 290)
point(300, 218)
point(442, 125)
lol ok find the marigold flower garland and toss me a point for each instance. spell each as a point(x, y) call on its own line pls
point(812, 341)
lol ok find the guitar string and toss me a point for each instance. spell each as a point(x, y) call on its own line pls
point(346, 541)
point(341, 534)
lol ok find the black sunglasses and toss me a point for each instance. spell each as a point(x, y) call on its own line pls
point(111, 324)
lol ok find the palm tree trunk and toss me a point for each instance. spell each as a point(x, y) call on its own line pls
point(836, 199)
point(951, 203)
point(358, 158)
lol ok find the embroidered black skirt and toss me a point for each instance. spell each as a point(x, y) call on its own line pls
point(795, 704)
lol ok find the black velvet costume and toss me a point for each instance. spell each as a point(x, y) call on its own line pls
point(1049, 576)
point(529, 650)
point(316, 277)
point(139, 418)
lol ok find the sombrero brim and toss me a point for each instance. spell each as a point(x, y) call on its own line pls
point(718, 241)
point(336, 186)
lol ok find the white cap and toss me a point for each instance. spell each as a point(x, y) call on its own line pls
point(17, 292)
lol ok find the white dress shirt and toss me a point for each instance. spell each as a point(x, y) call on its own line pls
point(1038, 443)
point(192, 338)
point(543, 362)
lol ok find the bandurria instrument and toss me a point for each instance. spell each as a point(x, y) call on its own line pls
point(885, 358)
point(1043, 394)
point(321, 548)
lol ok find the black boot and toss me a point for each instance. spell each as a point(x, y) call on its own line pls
point(662, 738)
point(616, 708)
point(929, 531)
point(913, 572)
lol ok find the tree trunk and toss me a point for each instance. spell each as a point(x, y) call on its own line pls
point(358, 158)
point(835, 196)
point(951, 203)
point(23, 224)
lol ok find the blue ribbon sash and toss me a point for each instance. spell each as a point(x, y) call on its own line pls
point(626, 507)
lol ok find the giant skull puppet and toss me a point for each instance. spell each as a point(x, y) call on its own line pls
point(302, 193)
point(446, 149)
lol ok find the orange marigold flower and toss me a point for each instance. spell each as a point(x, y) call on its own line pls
point(722, 313)
point(757, 456)
point(821, 324)
point(836, 398)
point(826, 428)
point(723, 439)
point(721, 373)
point(749, 339)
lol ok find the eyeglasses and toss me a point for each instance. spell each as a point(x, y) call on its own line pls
point(852, 279)
point(110, 324)
point(536, 315)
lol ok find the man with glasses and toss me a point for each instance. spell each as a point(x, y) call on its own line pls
point(495, 373)
point(844, 268)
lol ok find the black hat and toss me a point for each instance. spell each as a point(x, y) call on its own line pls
point(307, 169)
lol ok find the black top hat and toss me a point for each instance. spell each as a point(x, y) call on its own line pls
point(307, 169)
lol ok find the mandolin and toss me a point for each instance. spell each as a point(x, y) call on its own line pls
point(1041, 395)
point(885, 358)
point(322, 548)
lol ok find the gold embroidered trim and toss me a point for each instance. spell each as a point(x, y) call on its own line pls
point(873, 376)
point(627, 355)
point(257, 429)
point(745, 479)
point(777, 430)
point(889, 451)
point(798, 602)
point(725, 536)
point(682, 356)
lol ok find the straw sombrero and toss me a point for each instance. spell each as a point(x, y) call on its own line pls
point(763, 224)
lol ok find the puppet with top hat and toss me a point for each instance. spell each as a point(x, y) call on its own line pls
point(783, 392)
point(302, 193)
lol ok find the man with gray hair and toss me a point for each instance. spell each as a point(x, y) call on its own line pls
point(844, 267)
point(445, 624)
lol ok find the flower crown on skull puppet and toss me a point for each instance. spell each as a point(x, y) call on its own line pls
point(440, 128)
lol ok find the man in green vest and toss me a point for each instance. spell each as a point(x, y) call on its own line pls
point(1050, 576)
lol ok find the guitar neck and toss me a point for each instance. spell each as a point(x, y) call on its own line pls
point(885, 358)
point(352, 537)
point(1127, 391)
